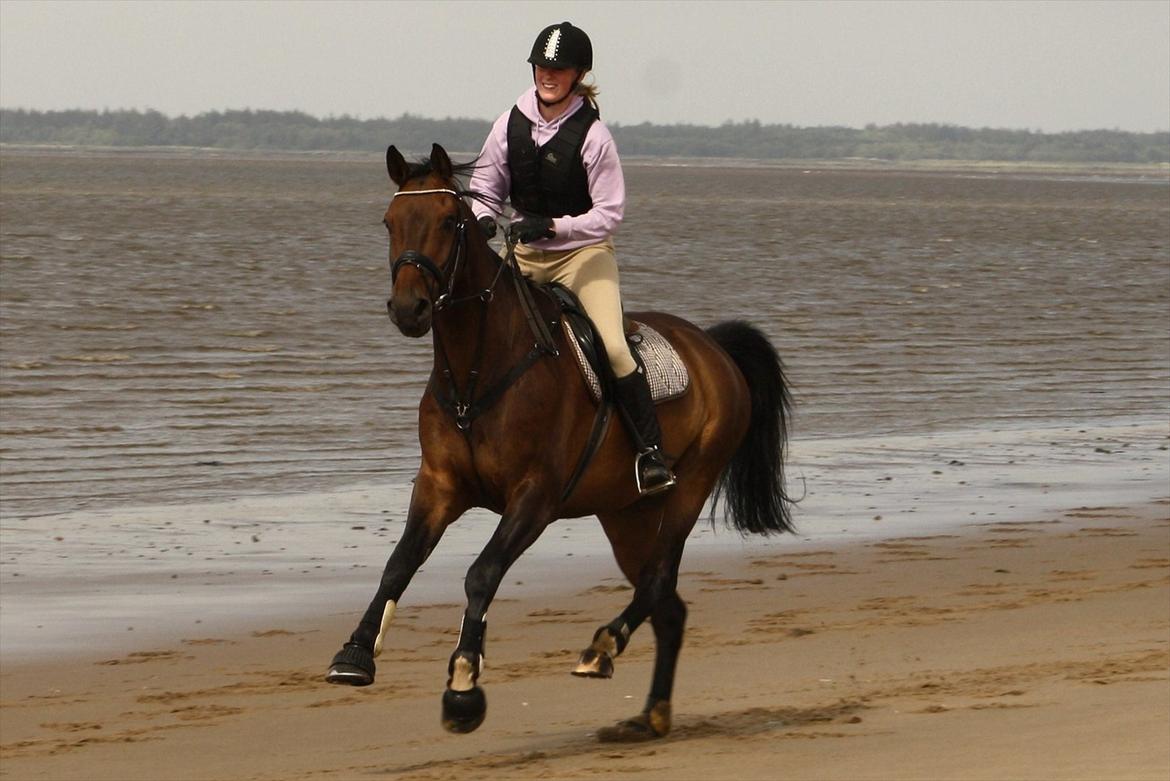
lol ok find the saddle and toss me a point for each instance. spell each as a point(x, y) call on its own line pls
point(667, 375)
point(665, 372)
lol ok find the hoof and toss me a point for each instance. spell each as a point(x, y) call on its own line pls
point(353, 666)
point(651, 725)
point(463, 711)
point(594, 664)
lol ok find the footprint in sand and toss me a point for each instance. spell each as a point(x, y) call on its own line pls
point(207, 641)
point(1010, 542)
point(1072, 574)
point(731, 584)
point(275, 633)
point(1150, 564)
point(142, 657)
point(604, 589)
point(72, 726)
point(558, 617)
point(1099, 512)
point(205, 712)
point(985, 589)
point(1102, 531)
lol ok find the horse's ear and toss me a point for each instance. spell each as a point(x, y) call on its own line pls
point(440, 162)
point(396, 165)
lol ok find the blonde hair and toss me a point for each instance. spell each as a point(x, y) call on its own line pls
point(588, 91)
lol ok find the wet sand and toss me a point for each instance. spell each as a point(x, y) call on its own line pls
point(1029, 647)
point(123, 576)
point(1011, 622)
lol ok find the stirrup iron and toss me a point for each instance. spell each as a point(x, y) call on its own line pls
point(653, 490)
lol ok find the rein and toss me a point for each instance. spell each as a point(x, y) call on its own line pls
point(464, 406)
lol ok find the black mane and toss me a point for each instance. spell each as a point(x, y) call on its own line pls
point(423, 166)
point(460, 172)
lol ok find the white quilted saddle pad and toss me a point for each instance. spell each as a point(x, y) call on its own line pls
point(665, 371)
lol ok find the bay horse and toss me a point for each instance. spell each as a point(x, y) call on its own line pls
point(503, 423)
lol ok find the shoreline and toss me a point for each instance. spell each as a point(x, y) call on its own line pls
point(1156, 172)
point(969, 605)
point(125, 575)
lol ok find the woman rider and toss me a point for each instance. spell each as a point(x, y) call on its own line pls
point(557, 163)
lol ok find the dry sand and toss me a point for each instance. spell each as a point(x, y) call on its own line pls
point(1029, 646)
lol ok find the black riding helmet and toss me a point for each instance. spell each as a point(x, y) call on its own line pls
point(562, 46)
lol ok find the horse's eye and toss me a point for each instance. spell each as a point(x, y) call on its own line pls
point(449, 223)
point(386, 222)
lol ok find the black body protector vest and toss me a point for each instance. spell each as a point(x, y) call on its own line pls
point(550, 181)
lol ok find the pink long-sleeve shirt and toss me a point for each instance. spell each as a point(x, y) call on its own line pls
point(607, 186)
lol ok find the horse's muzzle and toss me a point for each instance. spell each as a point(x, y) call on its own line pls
point(412, 314)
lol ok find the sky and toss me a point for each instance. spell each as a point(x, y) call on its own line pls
point(1048, 66)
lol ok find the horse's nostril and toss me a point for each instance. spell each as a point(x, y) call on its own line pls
point(421, 307)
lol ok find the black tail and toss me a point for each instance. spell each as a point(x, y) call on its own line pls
point(753, 482)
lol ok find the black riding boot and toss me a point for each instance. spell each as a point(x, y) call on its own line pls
point(637, 407)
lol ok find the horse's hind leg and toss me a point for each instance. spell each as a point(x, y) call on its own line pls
point(650, 560)
point(651, 564)
point(431, 511)
point(668, 619)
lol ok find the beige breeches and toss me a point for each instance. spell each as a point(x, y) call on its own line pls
point(590, 272)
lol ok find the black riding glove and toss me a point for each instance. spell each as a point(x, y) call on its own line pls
point(488, 226)
point(531, 229)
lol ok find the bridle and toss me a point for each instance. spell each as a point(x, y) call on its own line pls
point(444, 279)
point(464, 405)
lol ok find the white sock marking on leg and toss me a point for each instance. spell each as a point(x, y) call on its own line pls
point(387, 617)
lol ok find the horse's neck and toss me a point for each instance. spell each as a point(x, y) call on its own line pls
point(484, 330)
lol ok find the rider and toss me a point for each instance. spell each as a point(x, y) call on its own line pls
point(556, 161)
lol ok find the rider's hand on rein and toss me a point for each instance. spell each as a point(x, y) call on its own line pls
point(488, 226)
point(531, 229)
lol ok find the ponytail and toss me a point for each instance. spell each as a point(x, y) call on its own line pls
point(588, 91)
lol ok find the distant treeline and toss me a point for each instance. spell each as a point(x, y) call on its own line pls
point(297, 131)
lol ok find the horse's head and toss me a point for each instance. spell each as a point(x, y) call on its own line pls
point(427, 222)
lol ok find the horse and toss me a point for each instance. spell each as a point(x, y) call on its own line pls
point(503, 423)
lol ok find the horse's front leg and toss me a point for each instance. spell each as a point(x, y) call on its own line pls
point(464, 704)
point(431, 511)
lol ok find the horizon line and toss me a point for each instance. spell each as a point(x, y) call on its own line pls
point(725, 123)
